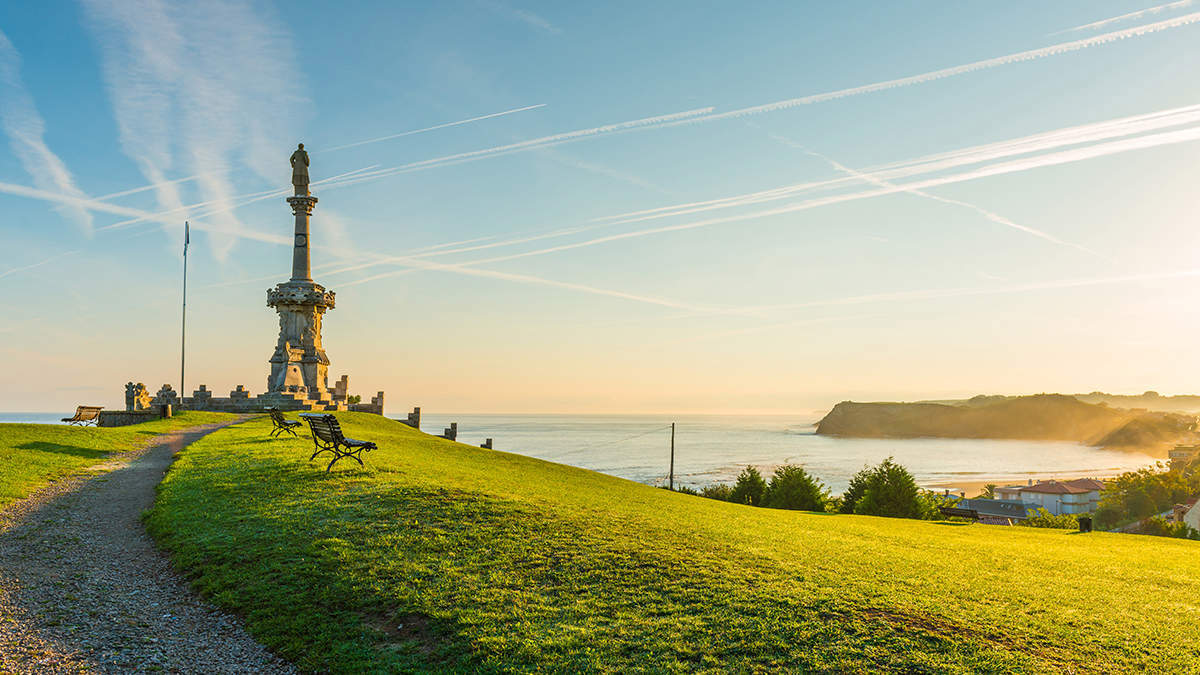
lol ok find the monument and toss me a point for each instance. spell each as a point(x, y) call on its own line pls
point(299, 376)
point(299, 366)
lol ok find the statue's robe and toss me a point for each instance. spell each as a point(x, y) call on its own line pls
point(300, 168)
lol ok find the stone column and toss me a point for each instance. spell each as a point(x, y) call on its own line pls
point(302, 208)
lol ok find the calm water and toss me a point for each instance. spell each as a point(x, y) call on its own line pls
point(712, 449)
point(35, 417)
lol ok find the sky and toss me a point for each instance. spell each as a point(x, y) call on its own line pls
point(615, 207)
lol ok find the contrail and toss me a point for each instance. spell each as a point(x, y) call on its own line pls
point(1052, 159)
point(434, 128)
point(990, 215)
point(1126, 17)
point(938, 293)
point(1060, 138)
point(544, 141)
point(1028, 55)
point(1067, 136)
point(115, 209)
point(14, 270)
point(249, 198)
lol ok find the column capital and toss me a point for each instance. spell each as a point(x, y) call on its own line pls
point(302, 205)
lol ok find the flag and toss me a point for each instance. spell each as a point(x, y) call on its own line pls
point(187, 236)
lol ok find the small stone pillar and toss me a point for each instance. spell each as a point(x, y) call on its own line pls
point(487, 445)
point(451, 432)
point(341, 388)
point(414, 418)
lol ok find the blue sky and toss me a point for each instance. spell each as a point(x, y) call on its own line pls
point(665, 208)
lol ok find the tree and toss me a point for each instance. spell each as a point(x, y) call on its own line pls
point(749, 488)
point(856, 488)
point(892, 492)
point(989, 491)
point(793, 488)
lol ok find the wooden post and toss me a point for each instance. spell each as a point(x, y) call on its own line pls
point(671, 475)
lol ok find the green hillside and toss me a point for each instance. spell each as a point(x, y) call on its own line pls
point(33, 455)
point(443, 556)
point(1039, 417)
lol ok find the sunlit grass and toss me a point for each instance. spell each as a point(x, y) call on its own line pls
point(33, 455)
point(440, 555)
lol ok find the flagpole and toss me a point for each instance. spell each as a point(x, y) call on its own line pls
point(183, 320)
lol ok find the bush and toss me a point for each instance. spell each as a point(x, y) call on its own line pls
point(793, 488)
point(718, 491)
point(1159, 527)
point(749, 488)
point(892, 492)
point(1043, 518)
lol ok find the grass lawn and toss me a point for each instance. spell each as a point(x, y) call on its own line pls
point(33, 455)
point(443, 556)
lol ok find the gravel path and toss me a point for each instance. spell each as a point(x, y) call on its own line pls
point(83, 588)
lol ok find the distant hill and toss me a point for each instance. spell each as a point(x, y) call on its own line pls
point(1150, 400)
point(1051, 417)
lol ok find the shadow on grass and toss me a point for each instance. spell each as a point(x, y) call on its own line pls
point(950, 524)
point(60, 449)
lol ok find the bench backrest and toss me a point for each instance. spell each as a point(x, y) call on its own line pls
point(276, 415)
point(325, 427)
point(88, 412)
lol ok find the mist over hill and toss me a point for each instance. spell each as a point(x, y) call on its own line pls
point(1046, 417)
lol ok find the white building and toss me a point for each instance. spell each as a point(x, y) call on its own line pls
point(1058, 497)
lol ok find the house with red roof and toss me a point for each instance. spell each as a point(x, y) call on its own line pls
point(1081, 495)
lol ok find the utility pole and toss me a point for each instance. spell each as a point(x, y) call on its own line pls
point(671, 475)
point(183, 320)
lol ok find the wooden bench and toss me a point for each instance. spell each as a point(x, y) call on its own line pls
point(282, 423)
point(328, 437)
point(85, 415)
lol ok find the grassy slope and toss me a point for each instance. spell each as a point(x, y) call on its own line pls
point(33, 455)
point(442, 555)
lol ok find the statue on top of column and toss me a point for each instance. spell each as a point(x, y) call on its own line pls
point(299, 162)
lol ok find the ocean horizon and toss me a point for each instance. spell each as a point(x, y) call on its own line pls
point(715, 448)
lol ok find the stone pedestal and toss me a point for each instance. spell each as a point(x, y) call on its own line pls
point(299, 364)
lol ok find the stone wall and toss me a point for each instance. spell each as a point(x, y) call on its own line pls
point(121, 418)
point(241, 400)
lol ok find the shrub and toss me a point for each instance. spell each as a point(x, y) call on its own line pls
point(793, 488)
point(718, 491)
point(892, 492)
point(1159, 527)
point(1043, 518)
point(686, 490)
point(749, 488)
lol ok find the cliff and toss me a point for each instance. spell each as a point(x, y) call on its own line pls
point(1048, 417)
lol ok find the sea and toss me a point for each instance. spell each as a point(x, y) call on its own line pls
point(715, 448)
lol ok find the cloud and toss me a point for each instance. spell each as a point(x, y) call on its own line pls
point(26, 131)
point(1103, 23)
point(201, 88)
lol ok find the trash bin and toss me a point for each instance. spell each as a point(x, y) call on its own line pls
point(1085, 523)
point(164, 410)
